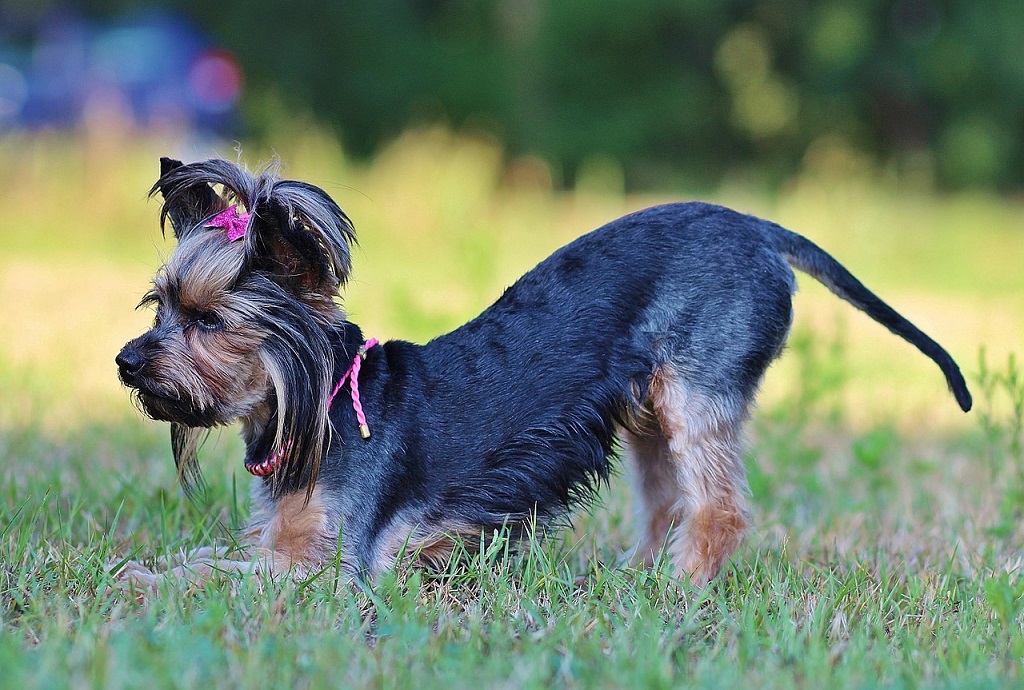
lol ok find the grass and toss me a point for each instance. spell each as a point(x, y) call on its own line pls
point(887, 542)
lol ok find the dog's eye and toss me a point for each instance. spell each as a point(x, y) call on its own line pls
point(208, 321)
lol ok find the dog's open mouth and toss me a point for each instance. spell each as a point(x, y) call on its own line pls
point(267, 466)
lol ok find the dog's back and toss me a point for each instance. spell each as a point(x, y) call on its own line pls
point(654, 330)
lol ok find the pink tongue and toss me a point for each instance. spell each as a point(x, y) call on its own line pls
point(267, 466)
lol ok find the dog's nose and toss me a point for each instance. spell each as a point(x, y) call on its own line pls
point(129, 363)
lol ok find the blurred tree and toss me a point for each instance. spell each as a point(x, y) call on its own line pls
point(669, 88)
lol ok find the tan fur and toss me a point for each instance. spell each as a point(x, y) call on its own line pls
point(213, 264)
point(285, 536)
point(404, 542)
point(202, 566)
point(222, 366)
point(691, 479)
point(657, 488)
point(298, 532)
point(709, 537)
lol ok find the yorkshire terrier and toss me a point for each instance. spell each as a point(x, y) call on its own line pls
point(650, 334)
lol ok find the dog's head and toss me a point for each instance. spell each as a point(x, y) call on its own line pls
point(244, 308)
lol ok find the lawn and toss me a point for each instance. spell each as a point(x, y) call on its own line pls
point(887, 543)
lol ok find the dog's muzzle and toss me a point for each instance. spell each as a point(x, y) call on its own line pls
point(130, 363)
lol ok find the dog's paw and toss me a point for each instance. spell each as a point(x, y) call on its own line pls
point(121, 569)
point(183, 557)
point(133, 579)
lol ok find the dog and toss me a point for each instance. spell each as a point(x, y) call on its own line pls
point(650, 335)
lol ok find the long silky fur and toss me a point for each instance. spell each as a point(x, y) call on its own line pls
point(297, 352)
point(299, 358)
point(185, 443)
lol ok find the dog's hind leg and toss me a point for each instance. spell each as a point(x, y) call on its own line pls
point(657, 487)
point(691, 478)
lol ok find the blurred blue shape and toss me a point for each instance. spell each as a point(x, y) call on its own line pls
point(147, 70)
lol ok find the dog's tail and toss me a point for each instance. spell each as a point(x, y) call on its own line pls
point(803, 254)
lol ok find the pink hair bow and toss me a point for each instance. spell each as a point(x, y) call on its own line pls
point(233, 221)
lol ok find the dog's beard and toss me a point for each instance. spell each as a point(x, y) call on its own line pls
point(189, 428)
point(185, 442)
point(225, 390)
point(280, 400)
point(191, 424)
point(166, 409)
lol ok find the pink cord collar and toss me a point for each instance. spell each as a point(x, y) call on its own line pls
point(270, 465)
point(352, 375)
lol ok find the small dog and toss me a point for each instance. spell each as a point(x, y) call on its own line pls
point(651, 334)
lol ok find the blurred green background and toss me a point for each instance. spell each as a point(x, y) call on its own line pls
point(673, 91)
point(469, 138)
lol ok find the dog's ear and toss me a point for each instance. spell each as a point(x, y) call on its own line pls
point(302, 238)
point(187, 201)
point(168, 164)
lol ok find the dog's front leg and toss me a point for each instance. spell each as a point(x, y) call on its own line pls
point(204, 565)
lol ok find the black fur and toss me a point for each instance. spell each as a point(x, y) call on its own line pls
point(515, 413)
